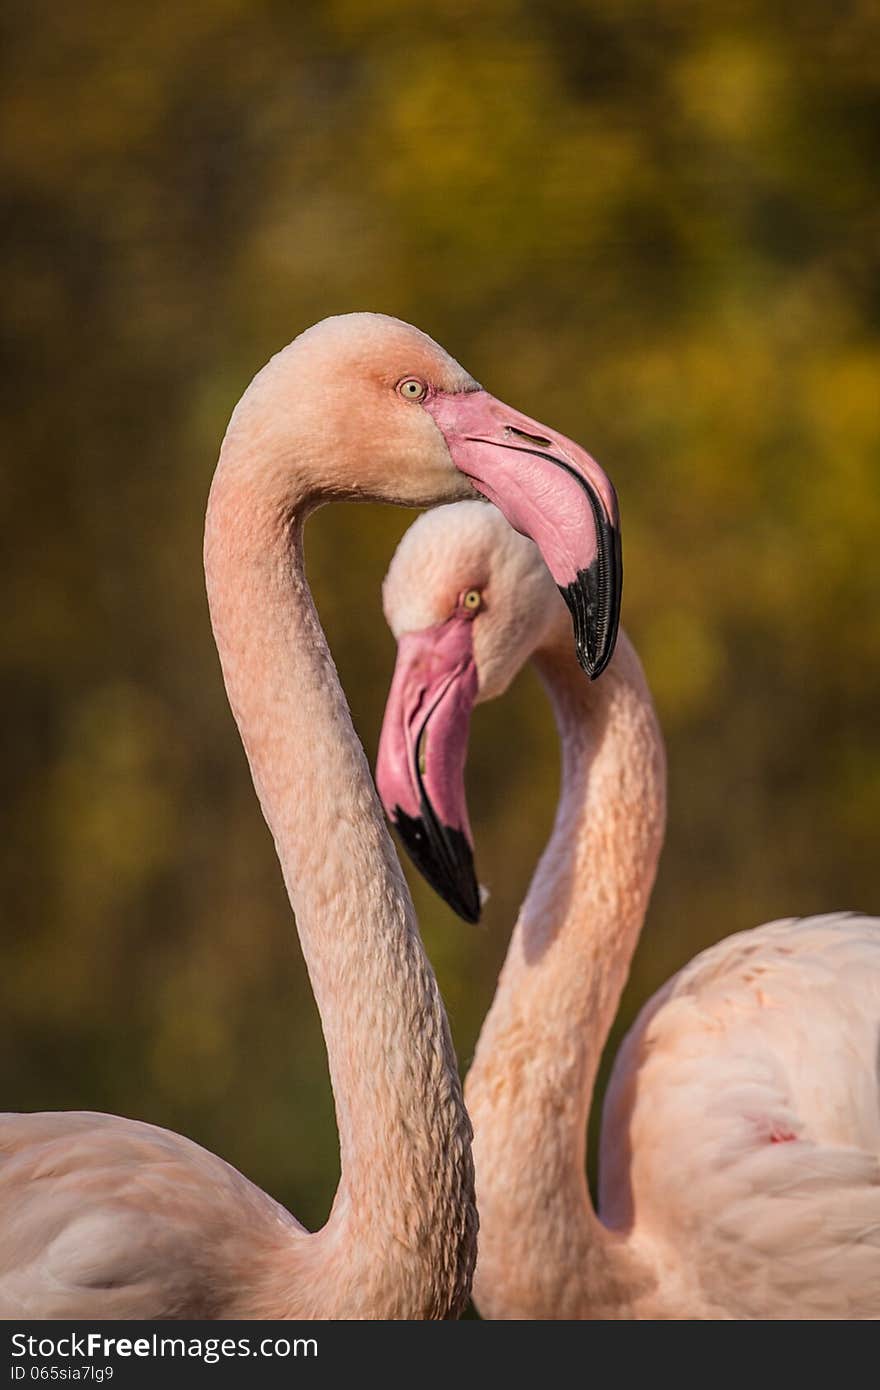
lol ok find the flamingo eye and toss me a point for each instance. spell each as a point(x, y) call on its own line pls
point(472, 601)
point(412, 389)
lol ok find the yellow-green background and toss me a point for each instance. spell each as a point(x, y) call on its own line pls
point(654, 227)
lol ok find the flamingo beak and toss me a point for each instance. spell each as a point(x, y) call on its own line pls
point(422, 752)
point(552, 491)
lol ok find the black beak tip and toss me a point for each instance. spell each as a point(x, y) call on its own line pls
point(443, 857)
point(593, 600)
point(468, 910)
point(594, 664)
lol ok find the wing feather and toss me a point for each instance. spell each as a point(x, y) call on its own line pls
point(742, 1122)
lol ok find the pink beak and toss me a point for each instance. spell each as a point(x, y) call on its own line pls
point(422, 751)
point(552, 491)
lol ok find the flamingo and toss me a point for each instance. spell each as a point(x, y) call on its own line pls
point(739, 1173)
point(110, 1217)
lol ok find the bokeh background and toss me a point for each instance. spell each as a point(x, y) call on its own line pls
point(655, 227)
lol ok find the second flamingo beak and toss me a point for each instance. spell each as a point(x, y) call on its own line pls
point(552, 491)
point(422, 752)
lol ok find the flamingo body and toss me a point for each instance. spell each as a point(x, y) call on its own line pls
point(740, 1151)
point(107, 1217)
point(741, 1126)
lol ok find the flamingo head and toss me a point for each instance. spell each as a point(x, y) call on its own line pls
point(376, 409)
point(469, 601)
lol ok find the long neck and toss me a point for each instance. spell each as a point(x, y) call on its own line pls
point(543, 1251)
point(400, 1239)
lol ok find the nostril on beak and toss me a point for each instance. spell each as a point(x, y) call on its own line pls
point(538, 439)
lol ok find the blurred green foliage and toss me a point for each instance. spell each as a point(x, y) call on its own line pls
point(655, 227)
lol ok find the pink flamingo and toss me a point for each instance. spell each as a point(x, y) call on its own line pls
point(741, 1129)
point(108, 1217)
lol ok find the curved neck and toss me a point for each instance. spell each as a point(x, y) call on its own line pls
point(400, 1239)
point(545, 1252)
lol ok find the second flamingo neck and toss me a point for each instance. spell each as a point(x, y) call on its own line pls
point(531, 1084)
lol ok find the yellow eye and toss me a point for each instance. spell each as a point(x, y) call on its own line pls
point(472, 600)
point(412, 389)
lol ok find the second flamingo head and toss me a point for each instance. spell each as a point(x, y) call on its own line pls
point(469, 601)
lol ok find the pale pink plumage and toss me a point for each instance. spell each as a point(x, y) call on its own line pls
point(107, 1217)
point(741, 1135)
point(103, 1216)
